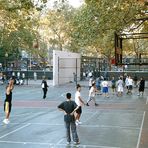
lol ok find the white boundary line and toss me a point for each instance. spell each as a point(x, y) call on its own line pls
point(147, 100)
point(52, 144)
point(91, 116)
point(23, 114)
point(83, 125)
point(60, 141)
point(62, 95)
point(17, 115)
point(140, 133)
point(15, 130)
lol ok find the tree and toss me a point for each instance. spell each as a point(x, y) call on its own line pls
point(95, 23)
point(55, 26)
point(19, 23)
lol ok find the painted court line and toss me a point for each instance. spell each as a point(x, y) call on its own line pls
point(63, 95)
point(147, 100)
point(82, 125)
point(46, 124)
point(139, 137)
point(60, 141)
point(88, 119)
point(14, 131)
point(23, 114)
point(52, 144)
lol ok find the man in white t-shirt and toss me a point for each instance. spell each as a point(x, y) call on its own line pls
point(127, 83)
point(120, 86)
point(92, 94)
point(90, 82)
point(130, 83)
point(105, 88)
point(79, 101)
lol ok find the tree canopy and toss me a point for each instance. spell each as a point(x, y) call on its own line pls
point(88, 29)
point(18, 26)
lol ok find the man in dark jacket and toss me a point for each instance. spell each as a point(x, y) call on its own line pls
point(44, 87)
point(141, 86)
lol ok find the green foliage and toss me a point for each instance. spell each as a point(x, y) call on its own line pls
point(88, 30)
point(19, 25)
point(95, 23)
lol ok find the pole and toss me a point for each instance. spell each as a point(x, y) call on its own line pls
point(58, 69)
point(6, 56)
point(27, 70)
point(99, 67)
point(76, 72)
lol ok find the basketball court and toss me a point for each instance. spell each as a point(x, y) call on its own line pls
point(118, 122)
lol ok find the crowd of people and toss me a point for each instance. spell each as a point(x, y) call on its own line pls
point(18, 80)
point(73, 109)
point(118, 86)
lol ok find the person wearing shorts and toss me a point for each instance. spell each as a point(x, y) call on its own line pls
point(120, 85)
point(8, 101)
point(79, 101)
point(92, 94)
point(130, 87)
point(105, 88)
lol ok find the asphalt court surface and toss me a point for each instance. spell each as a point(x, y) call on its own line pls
point(118, 122)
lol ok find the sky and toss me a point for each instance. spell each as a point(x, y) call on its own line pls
point(74, 3)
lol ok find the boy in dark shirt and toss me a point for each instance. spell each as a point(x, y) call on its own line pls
point(44, 88)
point(69, 107)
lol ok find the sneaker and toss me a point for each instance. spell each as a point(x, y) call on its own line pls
point(77, 142)
point(96, 104)
point(68, 143)
point(6, 121)
point(87, 104)
point(77, 122)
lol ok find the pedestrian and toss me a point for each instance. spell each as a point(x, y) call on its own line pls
point(141, 86)
point(79, 101)
point(98, 85)
point(92, 94)
point(105, 87)
point(90, 74)
point(127, 84)
point(44, 87)
point(124, 78)
point(8, 101)
point(35, 76)
point(18, 75)
point(113, 84)
point(69, 107)
point(90, 82)
point(120, 85)
point(130, 83)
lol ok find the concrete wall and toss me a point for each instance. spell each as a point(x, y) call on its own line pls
point(65, 65)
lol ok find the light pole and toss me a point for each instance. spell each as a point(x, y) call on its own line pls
point(6, 56)
point(27, 69)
